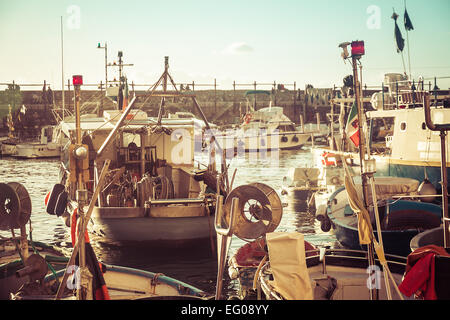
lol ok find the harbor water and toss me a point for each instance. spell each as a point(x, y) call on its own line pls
point(196, 267)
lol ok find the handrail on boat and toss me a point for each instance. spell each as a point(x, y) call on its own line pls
point(442, 128)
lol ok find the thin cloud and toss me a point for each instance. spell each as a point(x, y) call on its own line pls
point(238, 48)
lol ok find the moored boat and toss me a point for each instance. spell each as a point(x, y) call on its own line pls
point(48, 146)
point(122, 283)
point(153, 192)
point(263, 130)
point(400, 219)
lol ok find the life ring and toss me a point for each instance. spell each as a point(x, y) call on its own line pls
point(329, 159)
point(294, 139)
point(247, 118)
point(284, 139)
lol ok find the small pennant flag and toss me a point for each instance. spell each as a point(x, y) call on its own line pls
point(398, 35)
point(408, 23)
point(352, 128)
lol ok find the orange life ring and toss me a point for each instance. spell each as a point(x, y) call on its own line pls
point(247, 118)
point(329, 159)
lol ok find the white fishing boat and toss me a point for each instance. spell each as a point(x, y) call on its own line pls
point(262, 130)
point(153, 191)
point(398, 138)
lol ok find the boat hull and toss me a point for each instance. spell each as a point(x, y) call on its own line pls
point(407, 219)
point(264, 142)
point(161, 231)
point(35, 151)
point(429, 237)
point(394, 242)
point(125, 283)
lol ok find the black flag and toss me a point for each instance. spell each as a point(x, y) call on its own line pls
point(408, 23)
point(398, 35)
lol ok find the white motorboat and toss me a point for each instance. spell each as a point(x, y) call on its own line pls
point(262, 130)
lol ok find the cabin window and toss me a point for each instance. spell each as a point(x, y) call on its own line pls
point(286, 128)
point(290, 128)
point(424, 126)
point(403, 126)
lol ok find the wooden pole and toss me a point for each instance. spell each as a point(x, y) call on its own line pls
point(370, 247)
point(83, 227)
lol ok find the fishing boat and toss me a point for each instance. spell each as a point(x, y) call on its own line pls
point(48, 146)
point(264, 129)
point(153, 191)
point(84, 278)
point(152, 194)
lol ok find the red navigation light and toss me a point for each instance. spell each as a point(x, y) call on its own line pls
point(77, 80)
point(357, 48)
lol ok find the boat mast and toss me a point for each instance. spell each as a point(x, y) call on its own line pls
point(356, 54)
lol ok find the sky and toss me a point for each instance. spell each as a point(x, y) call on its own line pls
point(285, 41)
